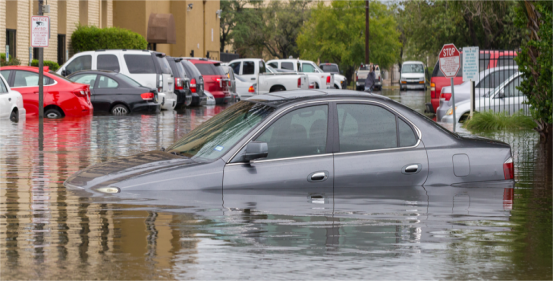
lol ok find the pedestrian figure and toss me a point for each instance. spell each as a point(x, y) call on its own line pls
point(369, 82)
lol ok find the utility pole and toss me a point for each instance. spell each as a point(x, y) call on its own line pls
point(40, 74)
point(367, 32)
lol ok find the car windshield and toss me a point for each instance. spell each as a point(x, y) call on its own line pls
point(210, 69)
point(331, 68)
point(215, 137)
point(270, 69)
point(412, 68)
point(128, 80)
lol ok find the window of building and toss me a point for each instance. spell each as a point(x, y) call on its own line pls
point(10, 41)
point(61, 49)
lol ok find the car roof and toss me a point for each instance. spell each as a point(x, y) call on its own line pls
point(200, 60)
point(280, 99)
point(94, 71)
point(413, 62)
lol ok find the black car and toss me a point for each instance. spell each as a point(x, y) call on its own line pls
point(117, 93)
point(196, 83)
point(182, 82)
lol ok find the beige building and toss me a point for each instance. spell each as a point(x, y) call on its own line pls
point(196, 25)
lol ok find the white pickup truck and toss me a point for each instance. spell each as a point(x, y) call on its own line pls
point(361, 76)
point(249, 69)
point(318, 79)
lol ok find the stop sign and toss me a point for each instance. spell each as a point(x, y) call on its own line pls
point(449, 60)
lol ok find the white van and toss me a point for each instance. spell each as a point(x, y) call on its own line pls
point(149, 68)
point(412, 76)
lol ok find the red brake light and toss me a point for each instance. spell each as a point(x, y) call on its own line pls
point(147, 96)
point(509, 169)
point(328, 79)
point(312, 85)
point(299, 82)
point(356, 78)
point(251, 89)
point(178, 84)
point(229, 83)
point(193, 85)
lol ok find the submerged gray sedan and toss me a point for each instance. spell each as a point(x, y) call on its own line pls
point(309, 140)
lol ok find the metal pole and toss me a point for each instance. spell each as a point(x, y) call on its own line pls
point(453, 101)
point(472, 98)
point(367, 32)
point(40, 74)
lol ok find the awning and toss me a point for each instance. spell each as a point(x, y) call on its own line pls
point(161, 29)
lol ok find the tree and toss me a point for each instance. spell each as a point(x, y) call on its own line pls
point(534, 61)
point(235, 15)
point(336, 33)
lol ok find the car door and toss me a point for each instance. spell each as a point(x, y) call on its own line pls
point(5, 100)
point(107, 93)
point(376, 147)
point(248, 71)
point(297, 175)
point(90, 79)
point(513, 98)
point(26, 83)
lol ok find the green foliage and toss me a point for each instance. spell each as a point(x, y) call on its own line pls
point(491, 121)
point(12, 62)
point(87, 38)
point(52, 65)
point(534, 61)
point(336, 33)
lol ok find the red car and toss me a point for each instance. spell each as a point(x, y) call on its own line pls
point(215, 78)
point(488, 59)
point(61, 97)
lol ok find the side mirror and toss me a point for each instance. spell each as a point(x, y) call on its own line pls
point(256, 150)
point(64, 73)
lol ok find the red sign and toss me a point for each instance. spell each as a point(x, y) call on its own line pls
point(449, 60)
point(40, 31)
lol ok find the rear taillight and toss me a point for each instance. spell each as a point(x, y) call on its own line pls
point(81, 93)
point(229, 84)
point(379, 77)
point(433, 90)
point(299, 82)
point(179, 85)
point(147, 96)
point(356, 78)
point(446, 96)
point(193, 85)
point(312, 85)
point(160, 90)
point(251, 89)
point(328, 79)
point(509, 169)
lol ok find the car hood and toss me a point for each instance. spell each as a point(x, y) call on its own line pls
point(412, 75)
point(120, 169)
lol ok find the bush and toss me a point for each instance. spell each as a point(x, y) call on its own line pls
point(12, 62)
point(490, 121)
point(89, 38)
point(52, 65)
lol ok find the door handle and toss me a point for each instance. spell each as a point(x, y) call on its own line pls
point(411, 168)
point(253, 78)
point(9, 99)
point(317, 176)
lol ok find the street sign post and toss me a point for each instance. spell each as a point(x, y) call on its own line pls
point(40, 35)
point(471, 70)
point(450, 62)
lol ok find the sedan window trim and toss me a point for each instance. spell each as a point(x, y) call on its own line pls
point(329, 103)
point(281, 159)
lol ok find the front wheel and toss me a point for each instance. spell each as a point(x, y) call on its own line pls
point(119, 110)
point(53, 113)
point(14, 116)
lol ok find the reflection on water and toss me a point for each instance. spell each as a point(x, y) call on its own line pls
point(399, 233)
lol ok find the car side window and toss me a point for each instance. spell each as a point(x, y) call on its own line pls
point(301, 132)
point(407, 136)
point(248, 67)
point(287, 66)
point(5, 74)
point(3, 87)
point(511, 88)
point(366, 127)
point(108, 62)
point(140, 63)
point(29, 79)
point(106, 82)
point(273, 65)
point(79, 64)
point(235, 67)
point(89, 79)
point(492, 80)
point(307, 68)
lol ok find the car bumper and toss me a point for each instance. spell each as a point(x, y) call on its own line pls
point(181, 97)
point(442, 109)
point(148, 107)
point(429, 108)
point(446, 119)
point(344, 84)
point(198, 100)
point(412, 86)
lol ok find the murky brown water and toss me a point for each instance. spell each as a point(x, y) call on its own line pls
point(403, 233)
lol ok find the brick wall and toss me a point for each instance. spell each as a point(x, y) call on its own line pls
point(51, 53)
point(94, 12)
point(72, 21)
point(23, 30)
point(2, 26)
point(110, 13)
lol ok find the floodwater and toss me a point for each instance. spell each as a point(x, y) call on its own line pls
point(395, 233)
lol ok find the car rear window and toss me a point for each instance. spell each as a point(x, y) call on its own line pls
point(210, 69)
point(330, 68)
point(287, 66)
point(140, 63)
point(192, 70)
point(163, 64)
point(506, 61)
point(108, 62)
point(128, 80)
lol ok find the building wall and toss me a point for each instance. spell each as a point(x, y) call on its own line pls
point(23, 30)
point(2, 26)
point(71, 20)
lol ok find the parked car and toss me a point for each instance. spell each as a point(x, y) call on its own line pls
point(245, 88)
point(488, 80)
point(251, 69)
point(196, 84)
point(215, 80)
point(340, 81)
point(318, 79)
point(11, 101)
point(232, 82)
point(117, 93)
point(312, 140)
point(504, 98)
point(361, 76)
point(150, 68)
point(210, 99)
point(182, 82)
point(412, 76)
point(488, 59)
point(62, 97)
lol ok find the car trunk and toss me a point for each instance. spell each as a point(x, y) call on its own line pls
point(215, 81)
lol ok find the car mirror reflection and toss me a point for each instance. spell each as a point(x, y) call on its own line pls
point(256, 150)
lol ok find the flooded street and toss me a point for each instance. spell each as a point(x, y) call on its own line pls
point(48, 232)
